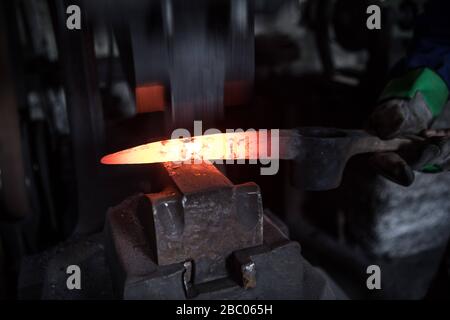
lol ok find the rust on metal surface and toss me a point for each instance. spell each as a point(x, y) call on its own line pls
point(202, 217)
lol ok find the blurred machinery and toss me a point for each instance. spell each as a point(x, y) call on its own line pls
point(137, 70)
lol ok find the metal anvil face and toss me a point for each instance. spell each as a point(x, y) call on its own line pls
point(202, 217)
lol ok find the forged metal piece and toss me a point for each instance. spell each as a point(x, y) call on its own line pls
point(322, 154)
point(319, 154)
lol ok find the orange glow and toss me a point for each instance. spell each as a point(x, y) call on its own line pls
point(150, 98)
point(251, 145)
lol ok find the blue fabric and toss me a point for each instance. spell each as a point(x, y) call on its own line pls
point(431, 46)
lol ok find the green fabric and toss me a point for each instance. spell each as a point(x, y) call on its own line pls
point(432, 168)
point(425, 81)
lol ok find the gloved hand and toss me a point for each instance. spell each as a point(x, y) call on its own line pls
point(396, 117)
point(430, 155)
point(403, 117)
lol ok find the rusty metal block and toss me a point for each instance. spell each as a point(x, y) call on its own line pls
point(201, 217)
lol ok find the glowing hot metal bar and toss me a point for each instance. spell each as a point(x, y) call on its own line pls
point(249, 145)
point(319, 154)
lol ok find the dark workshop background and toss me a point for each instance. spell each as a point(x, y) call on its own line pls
point(66, 101)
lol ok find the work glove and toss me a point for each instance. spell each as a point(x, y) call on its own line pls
point(407, 110)
point(430, 155)
point(399, 117)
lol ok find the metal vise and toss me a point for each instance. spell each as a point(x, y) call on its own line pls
point(204, 238)
point(202, 218)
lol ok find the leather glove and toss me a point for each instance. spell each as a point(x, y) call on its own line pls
point(431, 155)
point(403, 117)
point(397, 117)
